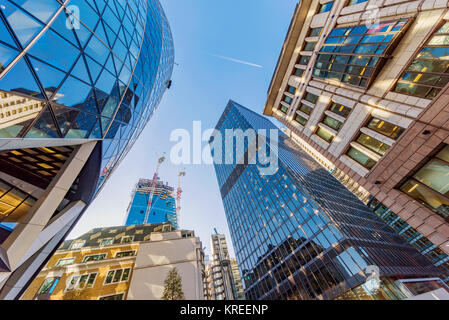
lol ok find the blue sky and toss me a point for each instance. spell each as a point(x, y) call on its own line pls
point(206, 34)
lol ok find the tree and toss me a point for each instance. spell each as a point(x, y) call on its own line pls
point(173, 286)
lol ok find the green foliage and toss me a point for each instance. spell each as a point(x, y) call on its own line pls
point(173, 286)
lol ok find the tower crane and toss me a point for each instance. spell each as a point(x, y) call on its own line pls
point(153, 188)
point(178, 195)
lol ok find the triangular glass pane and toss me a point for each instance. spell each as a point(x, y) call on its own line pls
point(110, 107)
point(60, 26)
point(94, 68)
point(90, 105)
point(7, 55)
point(19, 79)
point(24, 26)
point(105, 82)
point(111, 19)
point(100, 5)
point(110, 64)
point(5, 36)
point(82, 126)
point(80, 70)
point(49, 77)
point(83, 34)
point(99, 32)
point(42, 9)
point(55, 51)
point(65, 117)
point(72, 93)
point(112, 133)
point(44, 127)
point(111, 35)
point(96, 131)
point(97, 50)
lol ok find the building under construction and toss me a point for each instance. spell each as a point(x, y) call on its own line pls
point(152, 201)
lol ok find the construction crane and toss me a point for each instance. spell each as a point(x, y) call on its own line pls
point(153, 188)
point(178, 196)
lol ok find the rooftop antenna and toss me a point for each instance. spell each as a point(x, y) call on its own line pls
point(153, 187)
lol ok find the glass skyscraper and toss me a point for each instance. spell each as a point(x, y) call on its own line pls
point(79, 80)
point(162, 206)
point(300, 234)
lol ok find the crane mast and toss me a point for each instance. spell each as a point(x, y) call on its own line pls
point(178, 196)
point(153, 189)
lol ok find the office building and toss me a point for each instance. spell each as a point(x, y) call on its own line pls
point(162, 207)
point(122, 263)
point(299, 233)
point(362, 86)
point(78, 83)
point(239, 291)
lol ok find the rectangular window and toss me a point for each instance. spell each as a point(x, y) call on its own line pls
point(287, 99)
point(113, 297)
point(64, 262)
point(309, 46)
point(430, 185)
point(306, 109)
point(339, 109)
point(301, 120)
point(284, 109)
point(428, 73)
point(325, 7)
point(304, 60)
point(127, 239)
point(315, 32)
point(387, 129)
point(332, 123)
point(107, 242)
point(95, 257)
point(311, 97)
point(373, 144)
point(125, 254)
point(80, 282)
point(48, 286)
point(324, 134)
point(77, 244)
point(291, 89)
point(352, 55)
point(299, 72)
point(118, 275)
point(361, 158)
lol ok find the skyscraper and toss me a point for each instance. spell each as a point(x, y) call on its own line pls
point(79, 80)
point(364, 86)
point(162, 208)
point(298, 232)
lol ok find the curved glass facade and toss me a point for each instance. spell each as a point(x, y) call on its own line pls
point(82, 69)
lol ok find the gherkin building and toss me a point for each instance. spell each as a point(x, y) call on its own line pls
point(79, 80)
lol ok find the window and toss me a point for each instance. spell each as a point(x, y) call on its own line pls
point(300, 119)
point(309, 46)
point(387, 129)
point(315, 32)
point(77, 244)
point(311, 97)
point(325, 7)
point(127, 239)
point(352, 55)
point(332, 123)
point(284, 109)
point(299, 72)
point(287, 99)
point(79, 282)
point(428, 73)
point(304, 60)
point(117, 275)
point(64, 262)
point(361, 158)
point(291, 89)
point(48, 286)
point(325, 134)
point(430, 185)
point(305, 108)
point(106, 242)
point(125, 254)
point(113, 297)
point(95, 257)
point(339, 109)
point(373, 144)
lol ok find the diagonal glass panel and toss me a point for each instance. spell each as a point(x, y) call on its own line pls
point(100, 5)
point(44, 126)
point(80, 70)
point(60, 26)
point(97, 50)
point(90, 105)
point(65, 95)
point(65, 117)
point(96, 131)
point(94, 68)
point(42, 9)
point(7, 55)
point(105, 82)
point(82, 126)
point(24, 26)
point(49, 77)
point(63, 58)
point(5, 36)
point(110, 64)
point(19, 79)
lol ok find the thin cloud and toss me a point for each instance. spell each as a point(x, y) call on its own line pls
point(237, 61)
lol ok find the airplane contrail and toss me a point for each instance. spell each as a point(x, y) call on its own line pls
point(237, 61)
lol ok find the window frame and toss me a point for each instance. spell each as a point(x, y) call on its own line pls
point(93, 255)
point(121, 276)
point(68, 264)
